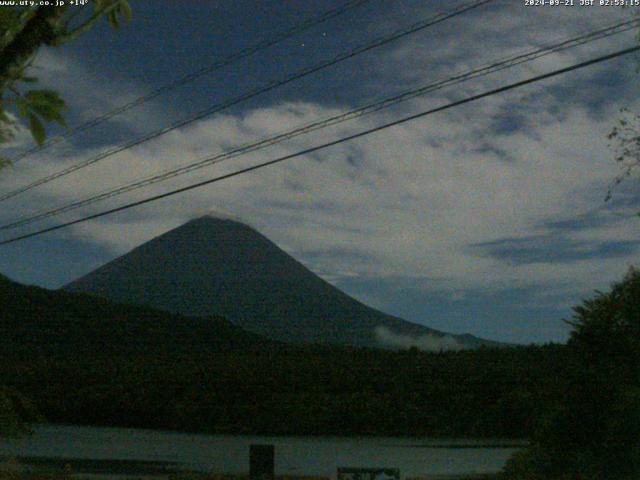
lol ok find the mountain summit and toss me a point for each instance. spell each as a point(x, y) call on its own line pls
point(219, 266)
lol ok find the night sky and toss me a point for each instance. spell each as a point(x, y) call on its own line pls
point(487, 219)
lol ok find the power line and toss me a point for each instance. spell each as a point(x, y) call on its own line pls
point(234, 57)
point(251, 94)
point(509, 62)
point(330, 144)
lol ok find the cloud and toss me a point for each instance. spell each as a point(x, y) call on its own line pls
point(554, 249)
point(417, 197)
point(428, 343)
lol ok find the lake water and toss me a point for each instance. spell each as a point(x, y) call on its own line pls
point(118, 451)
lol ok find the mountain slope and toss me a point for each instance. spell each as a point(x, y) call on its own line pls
point(212, 266)
point(35, 321)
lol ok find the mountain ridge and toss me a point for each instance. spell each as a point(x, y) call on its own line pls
point(35, 321)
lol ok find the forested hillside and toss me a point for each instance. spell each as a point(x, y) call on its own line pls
point(88, 361)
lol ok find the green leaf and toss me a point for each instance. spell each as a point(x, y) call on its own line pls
point(23, 107)
point(113, 19)
point(47, 104)
point(45, 98)
point(37, 129)
point(125, 10)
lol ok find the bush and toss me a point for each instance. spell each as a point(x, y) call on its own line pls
point(592, 430)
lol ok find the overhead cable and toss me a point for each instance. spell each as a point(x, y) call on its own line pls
point(307, 151)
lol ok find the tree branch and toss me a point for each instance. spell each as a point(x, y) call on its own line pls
point(85, 26)
point(40, 29)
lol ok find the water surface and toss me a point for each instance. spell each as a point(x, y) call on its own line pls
point(138, 451)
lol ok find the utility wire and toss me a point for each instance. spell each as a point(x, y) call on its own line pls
point(416, 27)
point(307, 151)
point(510, 62)
point(190, 77)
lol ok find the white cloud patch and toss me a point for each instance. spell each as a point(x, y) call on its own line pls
point(427, 343)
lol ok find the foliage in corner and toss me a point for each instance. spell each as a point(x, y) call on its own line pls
point(593, 429)
point(38, 107)
point(23, 30)
point(624, 139)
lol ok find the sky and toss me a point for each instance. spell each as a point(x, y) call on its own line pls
point(488, 218)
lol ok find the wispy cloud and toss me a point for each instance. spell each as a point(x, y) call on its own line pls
point(428, 343)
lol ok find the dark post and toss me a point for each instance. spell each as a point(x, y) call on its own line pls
point(261, 462)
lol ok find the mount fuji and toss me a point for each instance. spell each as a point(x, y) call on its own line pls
point(220, 266)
